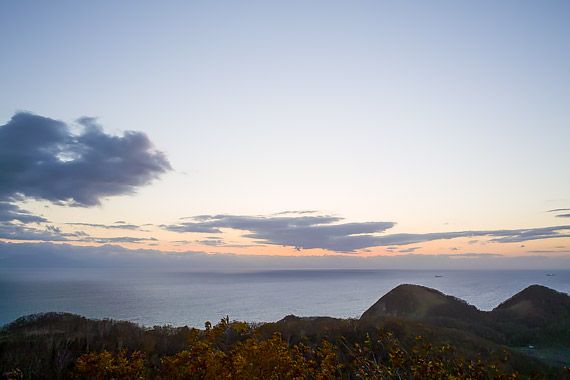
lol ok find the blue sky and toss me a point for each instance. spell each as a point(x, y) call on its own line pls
point(443, 124)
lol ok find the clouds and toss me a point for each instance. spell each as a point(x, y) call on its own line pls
point(11, 212)
point(41, 158)
point(46, 159)
point(299, 231)
point(302, 231)
point(19, 224)
point(517, 236)
point(408, 250)
point(66, 255)
point(118, 225)
point(498, 236)
point(560, 210)
point(15, 231)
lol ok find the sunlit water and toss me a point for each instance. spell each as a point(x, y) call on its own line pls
point(181, 297)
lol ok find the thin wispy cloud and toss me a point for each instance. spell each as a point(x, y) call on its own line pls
point(501, 236)
point(120, 239)
point(409, 250)
point(13, 231)
point(119, 226)
point(567, 215)
point(519, 236)
point(212, 243)
point(472, 255)
point(11, 212)
point(547, 251)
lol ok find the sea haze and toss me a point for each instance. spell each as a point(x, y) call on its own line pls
point(181, 297)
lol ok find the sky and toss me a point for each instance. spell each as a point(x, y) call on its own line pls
point(322, 134)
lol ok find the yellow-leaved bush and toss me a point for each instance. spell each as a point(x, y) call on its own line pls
point(232, 350)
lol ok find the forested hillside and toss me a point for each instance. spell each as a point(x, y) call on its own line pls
point(411, 333)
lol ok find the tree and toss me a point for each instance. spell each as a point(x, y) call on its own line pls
point(103, 366)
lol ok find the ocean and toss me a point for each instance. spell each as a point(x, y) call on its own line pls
point(182, 297)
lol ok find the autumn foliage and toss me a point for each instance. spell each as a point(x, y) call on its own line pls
point(102, 366)
point(236, 351)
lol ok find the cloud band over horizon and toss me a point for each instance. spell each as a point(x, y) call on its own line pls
point(325, 232)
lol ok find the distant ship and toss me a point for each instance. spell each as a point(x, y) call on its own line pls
point(437, 275)
point(550, 274)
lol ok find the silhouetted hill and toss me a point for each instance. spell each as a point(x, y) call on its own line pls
point(537, 316)
point(535, 305)
point(421, 303)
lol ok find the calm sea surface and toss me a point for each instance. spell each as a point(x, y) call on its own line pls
point(181, 297)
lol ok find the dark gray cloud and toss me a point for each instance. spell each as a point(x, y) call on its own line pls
point(405, 239)
point(10, 212)
point(516, 236)
point(315, 231)
point(563, 216)
point(41, 158)
point(502, 236)
point(18, 231)
point(408, 250)
point(327, 232)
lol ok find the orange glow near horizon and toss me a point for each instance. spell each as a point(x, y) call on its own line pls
point(452, 247)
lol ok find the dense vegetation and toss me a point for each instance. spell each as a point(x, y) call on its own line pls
point(387, 343)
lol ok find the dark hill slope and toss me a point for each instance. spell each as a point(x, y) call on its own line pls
point(535, 316)
point(44, 346)
point(535, 305)
point(420, 303)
